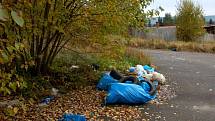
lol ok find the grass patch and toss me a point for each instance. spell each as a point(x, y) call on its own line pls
point(114, 55)
point(206, 47)
point(85, 75)
point(137, 56)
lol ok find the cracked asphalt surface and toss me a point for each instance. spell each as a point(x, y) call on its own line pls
point(192, 75)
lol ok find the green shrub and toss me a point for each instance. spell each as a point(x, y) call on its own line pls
point(189, 21)
point(45, 27)
point(11, 78)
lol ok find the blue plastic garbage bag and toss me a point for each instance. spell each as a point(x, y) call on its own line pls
point(148, 68)
point(105, 81)
point(128, 82)
point(140, 78)
point(121, 93)
point(146, 86)
point(72, 117)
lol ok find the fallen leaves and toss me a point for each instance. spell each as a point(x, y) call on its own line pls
point(166, 93)
point(89, 102)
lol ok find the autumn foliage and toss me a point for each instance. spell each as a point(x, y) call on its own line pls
point(33, 32)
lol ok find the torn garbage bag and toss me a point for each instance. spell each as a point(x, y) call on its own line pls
point(105, 81)
point(122, 93)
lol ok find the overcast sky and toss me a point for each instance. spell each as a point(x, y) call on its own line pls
point(170, 6)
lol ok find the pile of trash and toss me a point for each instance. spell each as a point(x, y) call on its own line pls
point(138, 86)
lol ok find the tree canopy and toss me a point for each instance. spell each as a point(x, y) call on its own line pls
point(189, 21)
point(168, 20)
point(33, 32)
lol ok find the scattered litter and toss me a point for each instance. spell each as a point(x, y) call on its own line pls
point(146, 113)
point(174, 113)
point(195, 107)
point(74, 67)
point(54, 92)
point(72, 117)
point(182, 59)
point(174, 49)
point(197, 84)
point(95, 66)
point(46, 101)
point(171, 106)
point(158, 117)
point(171, 68)
point(197, 72)
point(210, 90)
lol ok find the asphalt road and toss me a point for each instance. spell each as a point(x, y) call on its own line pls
point(192, 75)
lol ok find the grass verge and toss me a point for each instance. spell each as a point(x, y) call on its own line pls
point(206, 47)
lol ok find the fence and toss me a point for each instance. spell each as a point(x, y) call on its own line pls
point(165, 33)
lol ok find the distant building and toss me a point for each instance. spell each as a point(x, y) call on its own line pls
point(156, 19)
point(153, 21)
point(207, 18)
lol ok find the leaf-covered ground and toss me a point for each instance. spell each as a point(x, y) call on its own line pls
point(87, 101)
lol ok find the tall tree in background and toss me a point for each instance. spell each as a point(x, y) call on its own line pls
point(160, 21)
point(168, 20)
point(211, 21)
point(189, 21)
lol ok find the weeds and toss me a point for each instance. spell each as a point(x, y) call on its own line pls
point(137, 56)
point(114, 55)
point(206, 47)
